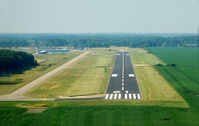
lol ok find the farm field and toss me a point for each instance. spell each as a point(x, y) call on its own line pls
point(87, 76)
point(183, 76)
point(153, 86)
point(51, 61)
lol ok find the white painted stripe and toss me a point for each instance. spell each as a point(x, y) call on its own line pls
point(127, 92)
point(115, 92)
point(114, 75)
point(115, 96)
point(117, 54)
point(134, 96)
point(106, 97)
point(122, 76)
point(122, 84)
point(119, 96)
point(138, 96)
point(130, 96)
point(131, 75)
point(111, 96)
point(125, 96)
point(122, 88)
point(122, 80)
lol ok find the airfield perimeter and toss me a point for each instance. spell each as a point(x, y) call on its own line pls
point(122, 83)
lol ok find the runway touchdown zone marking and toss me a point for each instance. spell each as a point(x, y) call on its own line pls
point(114, 75)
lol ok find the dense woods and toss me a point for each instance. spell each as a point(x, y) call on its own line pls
point(96, 40)
point(13, 60)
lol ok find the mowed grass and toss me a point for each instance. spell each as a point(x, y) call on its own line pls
point(87, 76)
point(93, 113)
point(53, 60)
point(152, 85)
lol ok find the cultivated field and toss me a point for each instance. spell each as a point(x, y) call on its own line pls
point(87, 76)
point(183, 76)
point(51, 61)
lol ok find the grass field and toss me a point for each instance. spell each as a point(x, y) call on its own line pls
point(10, 83)
point(95, 112)
point(87, 76)
point(153, 86)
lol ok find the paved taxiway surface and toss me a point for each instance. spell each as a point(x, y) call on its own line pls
point(123, 83)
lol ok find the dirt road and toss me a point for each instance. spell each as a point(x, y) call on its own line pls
point(18, 94)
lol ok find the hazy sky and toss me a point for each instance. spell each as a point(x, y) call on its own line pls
point(97, 16)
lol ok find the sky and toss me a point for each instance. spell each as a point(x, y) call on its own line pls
point(99, 16)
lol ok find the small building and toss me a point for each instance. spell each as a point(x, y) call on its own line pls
point(44, 51)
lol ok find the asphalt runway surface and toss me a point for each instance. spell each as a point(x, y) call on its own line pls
point(123, 83)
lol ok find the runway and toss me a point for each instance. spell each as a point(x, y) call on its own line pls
point(123, 83)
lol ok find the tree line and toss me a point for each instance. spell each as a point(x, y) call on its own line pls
point(96, 40)
point(15, 60)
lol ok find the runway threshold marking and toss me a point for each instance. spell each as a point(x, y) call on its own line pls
point(138, 95)
point(130, 96)
point(134, 96)
point(106, 97)
point(115, 96)
point(125, 96)
point(111, 96)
